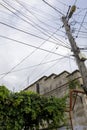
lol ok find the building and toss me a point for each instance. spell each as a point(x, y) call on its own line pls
point(55, 85)
point(58, 86)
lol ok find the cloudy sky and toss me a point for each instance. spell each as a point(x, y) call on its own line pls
point(33, 42)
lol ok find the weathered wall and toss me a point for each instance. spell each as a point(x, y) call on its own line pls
point(57, 85)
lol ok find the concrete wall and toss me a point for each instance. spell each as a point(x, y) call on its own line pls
point(54, 86)
point(57, 85)
point(80, 111)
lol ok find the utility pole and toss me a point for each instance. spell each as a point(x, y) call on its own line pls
point(76, 51)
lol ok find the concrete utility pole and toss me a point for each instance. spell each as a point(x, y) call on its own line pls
point(76, 51)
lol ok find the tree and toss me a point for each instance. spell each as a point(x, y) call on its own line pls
point(28, 110)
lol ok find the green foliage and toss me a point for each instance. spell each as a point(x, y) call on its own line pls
point(4, 92)
point(73, 84)
point(26, 110)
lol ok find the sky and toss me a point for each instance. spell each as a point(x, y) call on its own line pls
point(33, 41)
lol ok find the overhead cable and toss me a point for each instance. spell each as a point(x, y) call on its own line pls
point(81, 24)
point(47, 69)
point(29, 46)
point(53, 7)
point(32, 34)
point(33, 25)
point(32, 66)
point(33, 14)
point(25, 19)
point(26, 44)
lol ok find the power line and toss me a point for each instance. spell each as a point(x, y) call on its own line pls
point(78, 14)
point(36, 9)
point(40, 46)
point(45, 70)
point(32, 34)
point(81, 31)
point(84, 27)
point(42, 60)
point(31, 53)
point(27, 56)
point(24, 19)
point(25, 32)
point(33, 14)
point(26, 16)
point(37, 65)
point(81, 37)
point(62, 3)
point(30, 23)
point(81, 23)
point(47, 25)
point(53, 7)
point(29, 66)
point(24, 43)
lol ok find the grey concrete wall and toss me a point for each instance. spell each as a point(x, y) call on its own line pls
point(58, 87)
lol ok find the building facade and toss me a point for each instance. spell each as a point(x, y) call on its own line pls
point(58, 86)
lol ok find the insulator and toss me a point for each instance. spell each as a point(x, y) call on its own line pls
point(73, 9)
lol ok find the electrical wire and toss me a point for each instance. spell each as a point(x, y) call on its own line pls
point(26, 44)
point(39, 11)
point(26, 16)
point(48, 53)
point(84, 27)
point(62, 3)
point(34, 22)
point(81, 24)
point(81, 31)
point(20, 17)
point(24, 58)
point(45, 24)
point(27, 56)
point(30, 67)
point(44, 59)
point(33, 14)
point(44, 71)
point(53, 7)
point(66, 44)
point(81, 37)
point(24, 19)
point(32, 34)
point(79, 13)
